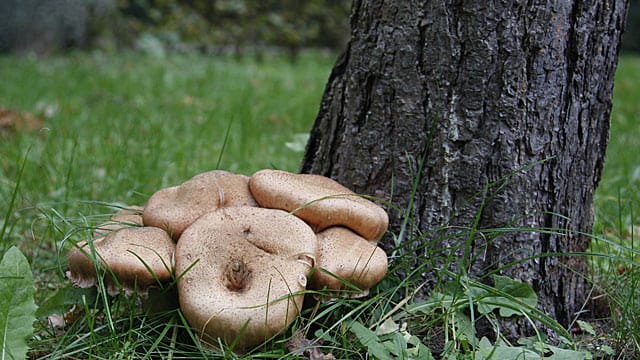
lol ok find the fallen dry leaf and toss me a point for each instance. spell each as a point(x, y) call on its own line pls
point(59, 321)
point(56, 321)
point(299, 345)
point(12, 121)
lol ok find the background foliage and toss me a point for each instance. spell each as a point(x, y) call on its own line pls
point(173, 25)
point(45, 26)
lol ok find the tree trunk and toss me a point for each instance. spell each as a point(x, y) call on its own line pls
point(507, 102)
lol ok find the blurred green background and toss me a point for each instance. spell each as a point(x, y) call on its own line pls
point(205, 26)
point(161, 26)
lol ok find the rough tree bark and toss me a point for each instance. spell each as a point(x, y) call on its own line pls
point(507, 101)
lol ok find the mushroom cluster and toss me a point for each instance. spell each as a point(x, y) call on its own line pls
point(244, 249)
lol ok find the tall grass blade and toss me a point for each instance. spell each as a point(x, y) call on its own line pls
point(224, 145)
point(12, 201)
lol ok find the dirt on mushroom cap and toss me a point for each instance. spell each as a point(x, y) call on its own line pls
point(318, 200)
point(273, 251)
point(129, 253)
point(177, 207)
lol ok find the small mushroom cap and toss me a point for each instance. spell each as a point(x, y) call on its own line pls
point(320, 201)
point(177, 207)
point(125, 217)
point(349, 257)
point(243, 265)
point(130, 253)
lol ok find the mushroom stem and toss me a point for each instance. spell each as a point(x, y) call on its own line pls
point(236, 274)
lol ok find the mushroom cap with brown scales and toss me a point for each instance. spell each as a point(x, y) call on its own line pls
point(320, 201)
point(242, 273)
point(138, 257)
point(344, 258)
point(177, 207)
point(125, 217)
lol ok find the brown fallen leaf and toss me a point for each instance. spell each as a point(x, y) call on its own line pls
point(299, 345)
point(12, 121)
point(59, 321)
point(56, 321)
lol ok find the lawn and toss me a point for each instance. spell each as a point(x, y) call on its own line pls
point(97, 130)
point(619, 190)
point(119, 128)
point(89, 132)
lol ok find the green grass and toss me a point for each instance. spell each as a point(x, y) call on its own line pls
point(620, 185)
point(119, 127)
point(125, 126)
point(617, 211)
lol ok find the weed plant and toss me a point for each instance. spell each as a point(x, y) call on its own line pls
point(118, 128)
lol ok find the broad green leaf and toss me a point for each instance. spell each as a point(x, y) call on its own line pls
point(465, 328)
point(64, 298)
point(566, 354)
point(17, 307)
point(368, 338)
point(608, 350)
point(586, 327)
point(488, 351)
point(535, 343)
point(387, 327)
point(509, 296)
point(435, 301)
point(418, 351)
point(517, 289)
point(396, 345)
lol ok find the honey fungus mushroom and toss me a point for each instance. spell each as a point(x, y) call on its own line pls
point(242, 273)
point(137, 257)
point(345, 260)
point(125, 217)
point(320, 201)
point(175, 208)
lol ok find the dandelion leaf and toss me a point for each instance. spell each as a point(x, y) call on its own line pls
point(17, 307)
point(368, 338)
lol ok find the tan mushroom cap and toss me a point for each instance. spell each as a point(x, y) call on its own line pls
point(127, 253)
point(243, 265)
point(351, 258)
point(177, 207)
point(320, 201)
point(125, 217)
